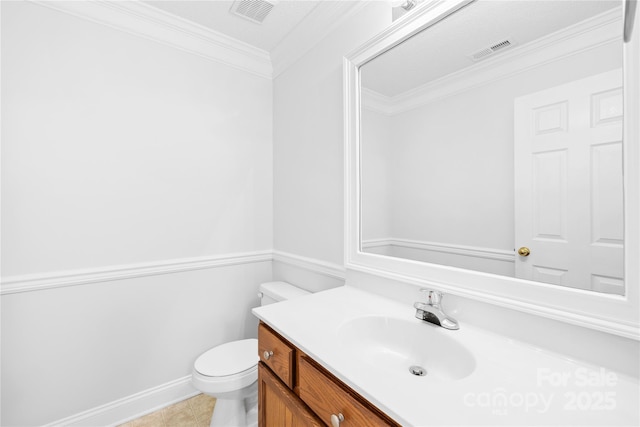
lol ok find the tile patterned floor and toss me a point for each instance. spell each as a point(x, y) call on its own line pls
point(193, 412)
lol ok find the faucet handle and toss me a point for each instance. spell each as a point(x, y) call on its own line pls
point(433, 297)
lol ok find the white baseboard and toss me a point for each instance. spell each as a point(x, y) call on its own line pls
point(126, 409)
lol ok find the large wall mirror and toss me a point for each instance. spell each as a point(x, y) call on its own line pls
point(489, 137)
point(496, 130)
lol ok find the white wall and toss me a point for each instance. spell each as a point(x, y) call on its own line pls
point(116, 151)
point(109, 138)
point(73, 349)
point(377, 173)
point(309, 142)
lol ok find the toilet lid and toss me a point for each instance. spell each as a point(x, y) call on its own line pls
point(229, 358)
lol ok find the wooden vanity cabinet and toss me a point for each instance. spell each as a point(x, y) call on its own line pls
point(277, 354)
point(279, 406)
point(294, 390)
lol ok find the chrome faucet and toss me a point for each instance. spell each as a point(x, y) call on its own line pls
point(431, 311)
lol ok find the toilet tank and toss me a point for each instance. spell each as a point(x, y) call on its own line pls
point(271, 292)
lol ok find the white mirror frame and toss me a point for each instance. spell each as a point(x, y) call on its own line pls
point(608, 313)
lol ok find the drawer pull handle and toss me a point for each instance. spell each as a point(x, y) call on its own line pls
point(267, 354)
point(336, 420)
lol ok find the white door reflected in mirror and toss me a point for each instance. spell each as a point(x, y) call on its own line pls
point(568, 184)
point(453, 174)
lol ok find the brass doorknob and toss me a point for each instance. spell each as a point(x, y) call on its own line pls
point(524, 251)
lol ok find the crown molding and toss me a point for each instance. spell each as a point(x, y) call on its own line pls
point(375, 101)
point(311, 30)
point(143, 20)
point(589, 34)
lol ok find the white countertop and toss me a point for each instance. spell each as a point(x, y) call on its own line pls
point(513, 383)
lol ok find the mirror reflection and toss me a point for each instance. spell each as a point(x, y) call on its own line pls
point(499, 148)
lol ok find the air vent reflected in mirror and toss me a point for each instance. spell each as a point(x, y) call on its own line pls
point(490, 50)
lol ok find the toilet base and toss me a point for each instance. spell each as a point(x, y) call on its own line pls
point(229, 412)
point(235, 413)
point(251, 405)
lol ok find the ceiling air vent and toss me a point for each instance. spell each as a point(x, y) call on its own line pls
point(253, 10)
point(487, 51)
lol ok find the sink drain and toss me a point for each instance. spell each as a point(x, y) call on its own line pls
point(417, 370)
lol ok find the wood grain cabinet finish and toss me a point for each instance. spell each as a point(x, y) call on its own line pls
point(276, 353)
point(296, 391)
point(279, 406)
point(328, 397)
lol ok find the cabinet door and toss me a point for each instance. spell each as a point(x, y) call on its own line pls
point(278, 406)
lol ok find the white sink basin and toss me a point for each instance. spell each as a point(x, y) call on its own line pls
point(394, 345)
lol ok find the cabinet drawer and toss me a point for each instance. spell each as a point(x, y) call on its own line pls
point(276, 353)
point(326, 397)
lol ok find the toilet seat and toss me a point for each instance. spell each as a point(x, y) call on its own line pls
point(228, 359)
point(227, 367)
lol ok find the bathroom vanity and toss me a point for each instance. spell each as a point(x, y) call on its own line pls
point(295, 390)
point(349, 351)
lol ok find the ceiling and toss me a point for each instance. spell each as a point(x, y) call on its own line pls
point(288, 18)
point(446, 46)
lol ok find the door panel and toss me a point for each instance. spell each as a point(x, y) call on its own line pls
point(568, 184)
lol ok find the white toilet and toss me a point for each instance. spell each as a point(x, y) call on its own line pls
point(229, 372)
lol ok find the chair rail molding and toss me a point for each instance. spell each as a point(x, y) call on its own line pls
point(448, 248)
point(41, 281)
point(310, 264)
point(37, 282)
